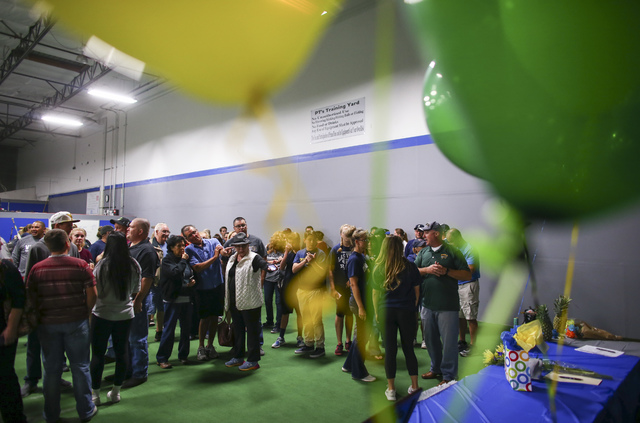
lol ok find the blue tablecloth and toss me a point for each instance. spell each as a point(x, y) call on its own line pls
point(488, 397)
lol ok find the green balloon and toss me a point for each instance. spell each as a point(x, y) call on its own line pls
point(447, 125)
point(551, 93)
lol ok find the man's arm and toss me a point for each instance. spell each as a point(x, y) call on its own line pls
point(201, 267)
point(299, 266)
point(461, 275)
point(15, 254)
point(145, 286)
point(16, 290)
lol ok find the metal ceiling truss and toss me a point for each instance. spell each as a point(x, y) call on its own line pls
point(77, 85)
point(36, 32)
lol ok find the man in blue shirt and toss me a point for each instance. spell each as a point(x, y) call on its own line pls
point(408, 249)
point(204, 258)
point(468, 291)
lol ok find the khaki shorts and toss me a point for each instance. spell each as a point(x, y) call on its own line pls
point(469, 299)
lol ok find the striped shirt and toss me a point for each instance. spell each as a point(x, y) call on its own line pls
point(57, 286)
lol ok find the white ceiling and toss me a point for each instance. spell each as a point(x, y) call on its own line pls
point(54, 61)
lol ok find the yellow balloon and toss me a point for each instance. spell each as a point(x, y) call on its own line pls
point(227, 51)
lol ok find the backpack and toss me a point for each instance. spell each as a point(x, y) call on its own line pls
point(156, 277)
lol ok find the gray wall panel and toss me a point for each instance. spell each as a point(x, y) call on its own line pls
point(327, 193)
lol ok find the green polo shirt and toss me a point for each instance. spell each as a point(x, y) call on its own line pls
point(440, 293)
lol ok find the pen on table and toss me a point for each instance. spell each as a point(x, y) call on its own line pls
point(606, 350)
point(569, 377)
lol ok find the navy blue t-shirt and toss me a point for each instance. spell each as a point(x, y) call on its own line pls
point(357, 267)
point(338, 256)
point(404, 294)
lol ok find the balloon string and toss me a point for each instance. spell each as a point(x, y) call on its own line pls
point(568, 284)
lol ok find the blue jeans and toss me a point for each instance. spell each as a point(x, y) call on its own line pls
point(34, 370)
point(269, 289)
point(443, 352)
point(172, 313)
point(154, 300)
point(72, 338)
point(354, 362)
point(138, 346)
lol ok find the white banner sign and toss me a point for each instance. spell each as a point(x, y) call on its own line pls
point(93, 202)
point(338, 121)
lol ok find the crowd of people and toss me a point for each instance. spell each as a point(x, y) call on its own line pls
point(95, 302)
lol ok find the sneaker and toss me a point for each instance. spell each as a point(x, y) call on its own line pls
point(462, 345)
point(91, 415)
point(305, 350)
point(113, 397)
point(65, 368)
point(347, 346)
point(249, 365)
point(424, 345)
point(261, 352)
point(275, 329)
point(299, 342)
point(391, 395)
point(466, 352)
point(367, 378)
point(411, 390)
point(317, 353)
point(158, 336)
point(27, 389)
point(211, 352)
point(339, 349)
point(65, 383)
point(267, 325)
point(279, 342)
point(202, 354)
point(234, 362)
point(344, 369)
point(95, 397)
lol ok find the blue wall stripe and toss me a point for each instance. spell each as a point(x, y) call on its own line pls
point(309, 157)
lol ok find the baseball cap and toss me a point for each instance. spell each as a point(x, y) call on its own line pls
point(61, 217)
point(433, 226)
point(121, 221)
point(419, 227)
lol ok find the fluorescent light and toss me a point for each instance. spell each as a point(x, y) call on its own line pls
point(112, 96)
point(61, 120)
point(113, 58)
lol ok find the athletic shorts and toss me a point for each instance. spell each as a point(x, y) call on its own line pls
point(342, 303)
point(469, 299)
point(210, 302)
point(288, 297)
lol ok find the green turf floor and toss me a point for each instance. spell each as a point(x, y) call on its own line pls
point(285, 388)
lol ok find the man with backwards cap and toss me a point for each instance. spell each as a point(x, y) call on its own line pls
point(121, 224)
point(408, 249)
point(38, 252)
point(441, 267)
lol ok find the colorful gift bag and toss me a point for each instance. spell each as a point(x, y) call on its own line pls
point(517, 369)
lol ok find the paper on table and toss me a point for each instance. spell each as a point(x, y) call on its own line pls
point(561, 377)
point(607, 352)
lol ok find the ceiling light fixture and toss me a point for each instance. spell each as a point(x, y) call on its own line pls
point(112, 96)
point(65, 121)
